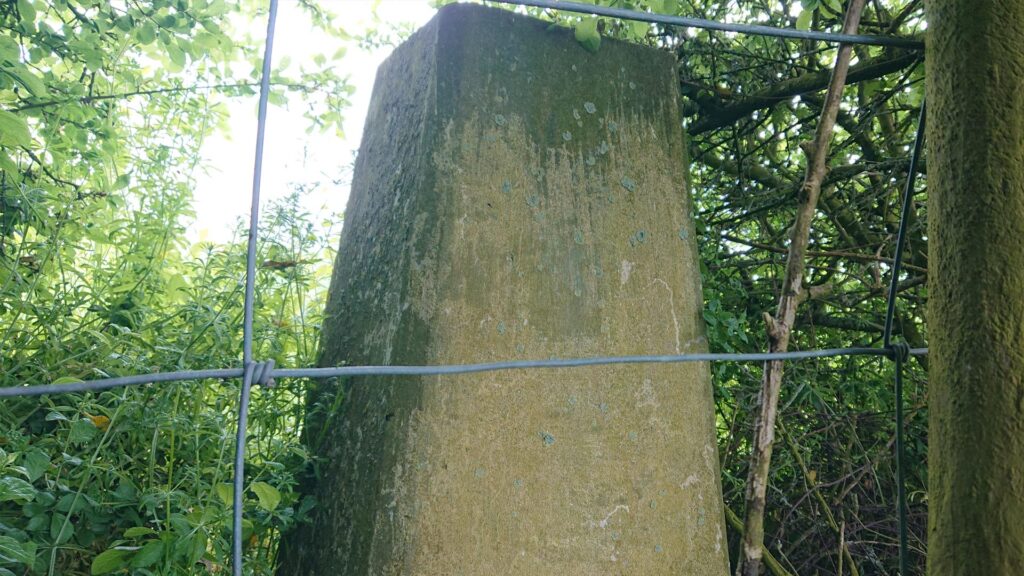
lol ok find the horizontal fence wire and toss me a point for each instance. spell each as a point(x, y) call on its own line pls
point(100, 384)
point(263, 373)
point(688, 22)
point(444, 369)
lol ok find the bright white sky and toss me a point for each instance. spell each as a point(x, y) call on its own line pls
point(291, 156)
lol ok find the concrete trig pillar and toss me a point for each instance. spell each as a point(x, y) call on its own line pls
point(516, 197)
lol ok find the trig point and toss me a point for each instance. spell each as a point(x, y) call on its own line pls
point(516, 197)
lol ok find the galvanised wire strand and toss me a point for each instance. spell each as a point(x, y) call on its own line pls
point(438, 370)
point(239, 477)
point(250, 291)
point(890, 313)
point(247, 327)
point(689, 22)
point(108, 383)
point(576, 362)
point(908, 198)
point(901, 488)
point(257, 174)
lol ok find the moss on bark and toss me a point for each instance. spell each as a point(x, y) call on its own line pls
point(975, 72)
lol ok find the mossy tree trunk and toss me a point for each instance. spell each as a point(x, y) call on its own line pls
point(976, 278)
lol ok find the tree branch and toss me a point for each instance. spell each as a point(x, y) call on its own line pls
point(717, 117)
point(785, 316)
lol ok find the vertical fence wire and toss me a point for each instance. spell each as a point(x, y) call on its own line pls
point(908, 200)
point(250, 291)
point(239, 475)
point(899, 353)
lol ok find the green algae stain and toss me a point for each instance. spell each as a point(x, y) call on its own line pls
point(547, 438)
point(639, 237)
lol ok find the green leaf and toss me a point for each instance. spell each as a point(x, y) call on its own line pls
point(177, 56)
point(27, 13)
point(60, 531)
point(226, 493)
point(149, 554)
point(803, 22)
point(67, 380)
point(36, 463)
point(13, 551)
point(639, 29)
point(269, 496)
point(26, 78)
point(12, 488)
point(109, 561)
point(14, 130)
point(835, 5)
point(136, 531)
point(588, 36)
point(198, 548)
point(145, 34)
point(82, 431)
point(9, 49)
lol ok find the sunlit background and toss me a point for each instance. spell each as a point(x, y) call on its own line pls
point(321, 162)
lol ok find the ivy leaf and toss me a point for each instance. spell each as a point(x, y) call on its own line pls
point(109, 561)
point(14, 130)
point(269, 496)
point(588, 36)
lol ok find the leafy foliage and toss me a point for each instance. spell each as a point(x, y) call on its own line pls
point(103, 108)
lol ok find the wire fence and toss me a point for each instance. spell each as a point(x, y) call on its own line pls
point(263, 373)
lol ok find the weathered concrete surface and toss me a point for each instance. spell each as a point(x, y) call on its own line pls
point(516, 197)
